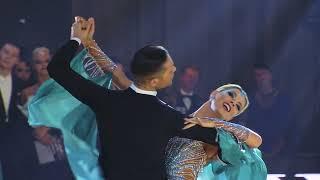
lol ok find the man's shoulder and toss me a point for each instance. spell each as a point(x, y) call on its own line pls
point(169, 109)
point(120, 94)
point(166, 105)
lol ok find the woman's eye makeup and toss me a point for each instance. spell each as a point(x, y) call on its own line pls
point(231, 94)
point(238, 107)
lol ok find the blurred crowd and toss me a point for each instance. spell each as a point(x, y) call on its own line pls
point(26, 152)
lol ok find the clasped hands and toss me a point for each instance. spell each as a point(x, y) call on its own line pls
point(83, 29)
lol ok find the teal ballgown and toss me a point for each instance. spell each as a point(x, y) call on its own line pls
point(238, 161)
point(53, 106)
point(186, 159)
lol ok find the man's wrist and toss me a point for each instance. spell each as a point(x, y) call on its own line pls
point(76, 39)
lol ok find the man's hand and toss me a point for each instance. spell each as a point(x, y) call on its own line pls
point(190, 122)
point(82, 28)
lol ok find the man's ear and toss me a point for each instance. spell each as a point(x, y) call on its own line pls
point(154, 82)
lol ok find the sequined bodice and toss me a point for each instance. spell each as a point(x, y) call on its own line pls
point(184, 159)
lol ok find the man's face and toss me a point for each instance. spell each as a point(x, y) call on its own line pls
point(23, 71)
point(262, 77)
point(189, 79)
point(167, 74)
point(41, 61)
point(9, 56)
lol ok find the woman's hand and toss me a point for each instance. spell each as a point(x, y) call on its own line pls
point(203, 122)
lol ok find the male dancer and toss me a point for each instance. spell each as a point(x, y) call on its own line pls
point(134, 125)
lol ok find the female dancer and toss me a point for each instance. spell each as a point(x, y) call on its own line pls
point(238, 157)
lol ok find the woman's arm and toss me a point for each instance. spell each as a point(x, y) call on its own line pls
point(84, 90)
point(242, 133)
point(119, 79)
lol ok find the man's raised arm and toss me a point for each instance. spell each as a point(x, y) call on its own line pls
point(59, 68)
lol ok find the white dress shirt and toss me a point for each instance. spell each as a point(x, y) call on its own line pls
point(6, 89)
point(186, 100)
point(76, 39)
point(141, 91)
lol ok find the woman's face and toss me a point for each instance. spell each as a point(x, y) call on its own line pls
point(23, 71)
point(228, 103)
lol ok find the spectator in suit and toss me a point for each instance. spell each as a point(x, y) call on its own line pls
point(184, 98)
point(14, 130)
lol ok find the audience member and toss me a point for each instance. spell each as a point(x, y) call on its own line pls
point(23, 72)
point(184, 98)
point(48, 142)
point(14, 130)
point(269, 114)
